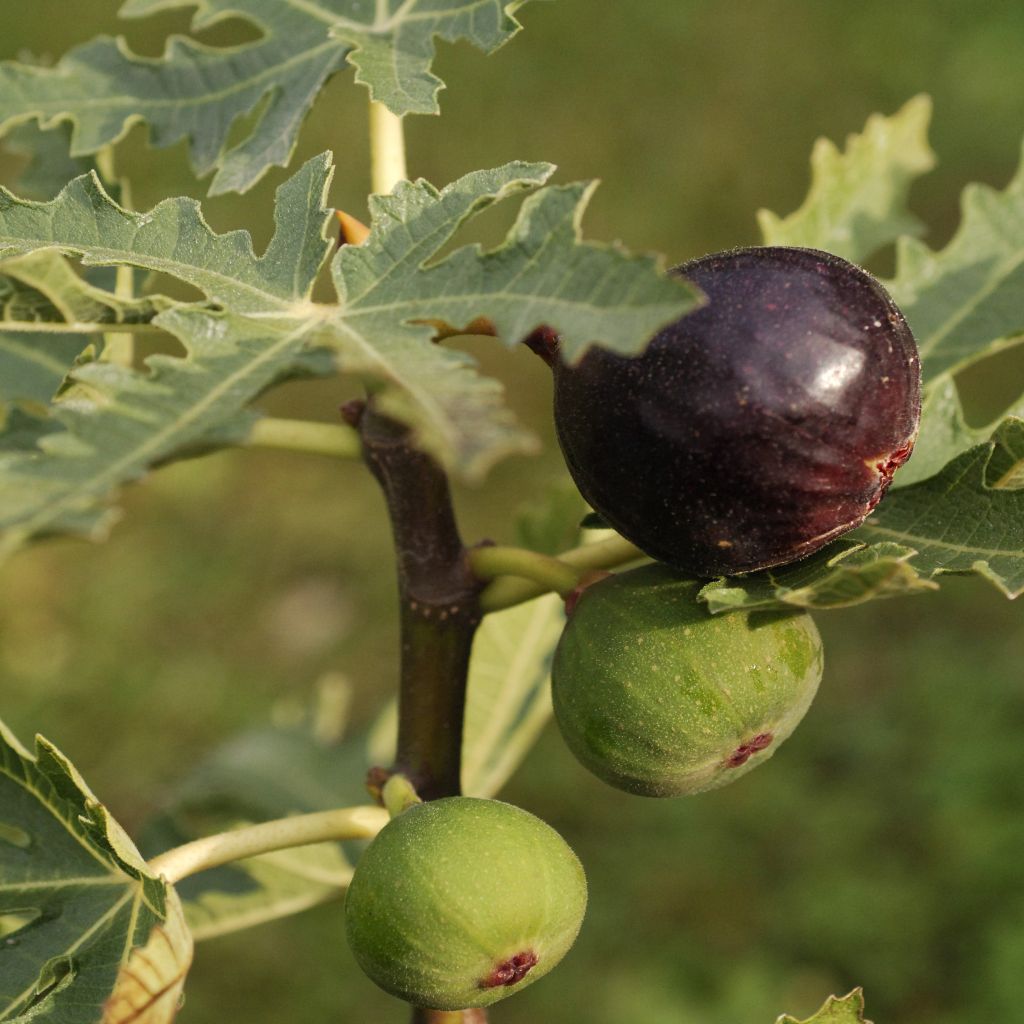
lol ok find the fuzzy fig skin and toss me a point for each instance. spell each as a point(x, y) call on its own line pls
point(658, 697)
point(460, 902)
point(755, 430)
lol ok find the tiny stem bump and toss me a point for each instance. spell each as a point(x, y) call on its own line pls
point(491, 561)
point(543, 342)
point(398, 794)
point(282, 834)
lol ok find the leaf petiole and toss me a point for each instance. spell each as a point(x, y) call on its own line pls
point(252, 840)
point(542, 573)
point(549, 572)
point(336, 440)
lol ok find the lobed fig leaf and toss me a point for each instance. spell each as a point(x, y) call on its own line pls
point(657, 696)
point(460, 902)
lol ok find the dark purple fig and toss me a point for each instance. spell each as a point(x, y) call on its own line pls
point(756, 429)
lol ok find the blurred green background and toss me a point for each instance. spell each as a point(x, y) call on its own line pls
point(884, 846)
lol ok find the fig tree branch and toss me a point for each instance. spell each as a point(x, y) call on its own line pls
point(438, 603)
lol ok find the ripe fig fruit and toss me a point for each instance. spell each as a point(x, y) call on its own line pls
point(658, 697)
point(756, 429)
point(460, 902)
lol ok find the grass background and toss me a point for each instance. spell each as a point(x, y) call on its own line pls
point(882, 847)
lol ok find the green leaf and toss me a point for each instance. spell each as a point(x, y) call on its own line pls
point(543, 274)
point(32, 366)
point(266, 888)
point(174, 239)
point(857, 200)
point(964, 302)
point(962, 520)
point(197, 92)
point(22, 429)
point(100, 937)
point(40, 294)
point(591, 294)
point(944, 433)
point(508, 700)
point(1006, 467)
point(264, 774)
point(138, 419)
point(846, 1010)
point(841, 575)
point(119, 422)
point(393, 53)
point(43, 290)
point(50, 165)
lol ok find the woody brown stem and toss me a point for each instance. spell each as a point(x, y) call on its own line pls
point(438, 602)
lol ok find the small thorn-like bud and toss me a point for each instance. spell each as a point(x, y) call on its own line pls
point(544, 342)
point(352, 231)
point(352, 412)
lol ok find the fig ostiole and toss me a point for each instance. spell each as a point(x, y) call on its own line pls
point(756, 429)
point(658, 697)
point(460, 902)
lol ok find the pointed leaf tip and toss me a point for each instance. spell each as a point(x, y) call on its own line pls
point(847, 1009)
point(857, 199)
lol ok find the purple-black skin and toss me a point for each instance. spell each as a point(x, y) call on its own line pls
point(755, 430)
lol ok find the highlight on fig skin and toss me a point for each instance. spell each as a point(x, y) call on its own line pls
point(758, 428)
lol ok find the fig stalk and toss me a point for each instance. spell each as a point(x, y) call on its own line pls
point(474, 1016)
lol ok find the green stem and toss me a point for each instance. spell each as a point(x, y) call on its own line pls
point(300, 830)
point(387, 149)
point(549, 573)
point(602, 554)
point(75, 327)
point(118, 347)
point(333, 439)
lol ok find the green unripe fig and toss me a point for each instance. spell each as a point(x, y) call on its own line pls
point(658, 697)
point(460, 902)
